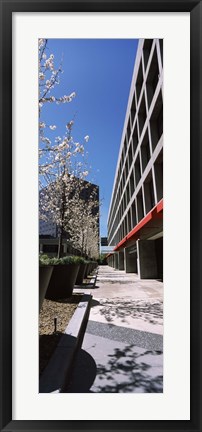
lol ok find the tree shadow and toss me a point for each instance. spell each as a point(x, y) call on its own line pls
point(128, 371)
point(148, 311)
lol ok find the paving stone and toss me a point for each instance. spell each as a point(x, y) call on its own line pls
point(122, 350)
point(127, 335)
point(120, 368)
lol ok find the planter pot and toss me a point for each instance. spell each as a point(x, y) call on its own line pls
point(81, 274)
point(86, 271)
point(62, 281)
point(90, 268)
point(45, 273)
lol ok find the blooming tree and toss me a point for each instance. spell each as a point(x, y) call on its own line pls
point(49, 77)
point(62, 173)
point(83, 222)
point(62, 163)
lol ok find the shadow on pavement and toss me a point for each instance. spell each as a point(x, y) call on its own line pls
point(94, 303)
point(150, 312)
point(83, 374)
point(125, 372)
point(86, 286)
point(129, 372)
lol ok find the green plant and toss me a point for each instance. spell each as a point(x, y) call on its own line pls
point(44, 260)
point(67, 260)
point(102, 259)
point(70, 259)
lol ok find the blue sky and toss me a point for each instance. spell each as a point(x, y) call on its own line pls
point(100, 72)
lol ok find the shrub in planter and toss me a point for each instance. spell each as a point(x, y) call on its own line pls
point(63, 277)
point(45, 272)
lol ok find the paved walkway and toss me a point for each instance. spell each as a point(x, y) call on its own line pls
point(122, 349)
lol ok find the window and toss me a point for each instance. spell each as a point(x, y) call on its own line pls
point(152, 77)
point(156, 121)
point(149, 193)
point(145, 151)
point(140, 209)
point(137, 170)
point(146, 51)
point(135, 139)
point(142, 114)
point(158, 171)
point(139, 81)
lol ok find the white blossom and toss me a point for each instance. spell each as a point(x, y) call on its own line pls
point(69, 125)
point(57, 139)
point(72, 95)
point(41, 76)
point(41, 43)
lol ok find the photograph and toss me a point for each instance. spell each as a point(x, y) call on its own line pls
point(100, 215)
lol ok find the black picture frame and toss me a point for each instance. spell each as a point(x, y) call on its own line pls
point(7, 8)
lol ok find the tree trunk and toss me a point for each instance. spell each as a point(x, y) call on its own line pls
point(60, 250)
point(62, 224)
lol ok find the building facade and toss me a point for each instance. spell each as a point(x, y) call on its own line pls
point(135, 220)
point(104, 241)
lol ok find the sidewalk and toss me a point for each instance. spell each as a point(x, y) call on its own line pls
point(122, 349)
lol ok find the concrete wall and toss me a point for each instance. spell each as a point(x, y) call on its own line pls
point(159, 256)
point(116, 261)
point(110, 261)
point(147, 262)
point(130, 261)
point(121, 260)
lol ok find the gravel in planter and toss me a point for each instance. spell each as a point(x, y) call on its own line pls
point(63, 311)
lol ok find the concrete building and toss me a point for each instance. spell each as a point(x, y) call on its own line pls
point(135, 220)
point(104, 241)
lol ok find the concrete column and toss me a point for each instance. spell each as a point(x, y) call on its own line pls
point(121, 260)
point(116, 261)
point(159, 256)
point(130, 261)
point(147, 263)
